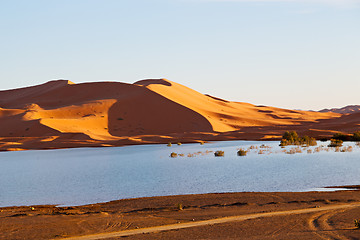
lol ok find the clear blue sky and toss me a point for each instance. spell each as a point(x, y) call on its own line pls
point(294, 54)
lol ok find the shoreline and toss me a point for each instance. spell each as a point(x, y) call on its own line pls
point(327, 189)
point(39, 143)
point(139, 213)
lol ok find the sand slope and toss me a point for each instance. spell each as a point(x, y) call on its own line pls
point(61, 114)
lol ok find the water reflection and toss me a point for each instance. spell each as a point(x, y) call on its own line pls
point(89, 175)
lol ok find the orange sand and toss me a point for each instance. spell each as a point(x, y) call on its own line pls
point(305, 215)
point(61, 114)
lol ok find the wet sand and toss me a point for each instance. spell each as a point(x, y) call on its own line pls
point(302, 215)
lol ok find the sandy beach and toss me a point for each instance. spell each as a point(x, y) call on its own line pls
point(265, 215)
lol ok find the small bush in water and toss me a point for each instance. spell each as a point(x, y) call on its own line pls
point(241, 152)
point(219, 153)
point(335, 143)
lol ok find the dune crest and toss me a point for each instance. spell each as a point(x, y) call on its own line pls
point(227, 116)
point(61, 114)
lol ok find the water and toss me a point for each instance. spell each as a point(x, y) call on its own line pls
point(91, 175)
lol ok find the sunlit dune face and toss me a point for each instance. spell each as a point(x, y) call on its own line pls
point(63, 114)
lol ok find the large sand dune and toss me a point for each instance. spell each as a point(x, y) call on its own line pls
point(61, 114)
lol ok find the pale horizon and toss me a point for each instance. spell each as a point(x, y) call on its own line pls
point(300, 54)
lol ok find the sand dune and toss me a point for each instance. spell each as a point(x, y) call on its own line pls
point(61, 114)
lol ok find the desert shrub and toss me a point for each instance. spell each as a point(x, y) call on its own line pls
point(357, 223)
point(219, 153)
point(347, 137)
point(356, 136)
point(169, 145)
point(308, 141)
point(241, 152)
point(179, 206)
point(292, 138)
point(284, 142)
point(179, 143)
point(173, 155)
point(335, 143)
point(342, 137)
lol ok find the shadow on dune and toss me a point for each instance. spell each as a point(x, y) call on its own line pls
point(144, 112)
point(148, 82)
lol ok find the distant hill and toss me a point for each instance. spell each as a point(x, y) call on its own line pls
point(343, 110)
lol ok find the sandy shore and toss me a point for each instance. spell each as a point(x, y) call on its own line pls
point(302, 215)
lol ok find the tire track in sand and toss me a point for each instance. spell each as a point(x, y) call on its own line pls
point(319, 223)
point(212, 221)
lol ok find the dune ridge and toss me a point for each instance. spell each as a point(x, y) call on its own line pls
point(62, 114)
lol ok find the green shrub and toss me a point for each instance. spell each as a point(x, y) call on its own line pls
point(356, 136)
point(347, 137)
point(241, 152)
point(219, 153)
point(342, 137)
point(179, 207)
point(292, 138)
point(357, 223)
point(335, 143)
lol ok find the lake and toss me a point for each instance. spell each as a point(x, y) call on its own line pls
point(91, 175)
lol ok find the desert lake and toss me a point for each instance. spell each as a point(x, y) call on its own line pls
point(91, 175)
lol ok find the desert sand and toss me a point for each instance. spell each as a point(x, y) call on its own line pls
point(61, 114)
point(310, 215)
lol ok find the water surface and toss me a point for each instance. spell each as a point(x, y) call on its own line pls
point(91, 175)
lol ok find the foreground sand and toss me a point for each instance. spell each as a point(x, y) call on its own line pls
point(323, 215)
point(61, 114)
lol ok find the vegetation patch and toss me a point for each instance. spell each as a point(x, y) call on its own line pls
point(241, 152)
point(335, 143)
point(292, 138)
point(219, 153)
point(357, 223)
point(347, 137)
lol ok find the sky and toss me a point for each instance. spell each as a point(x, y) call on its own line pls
point(295, 54)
